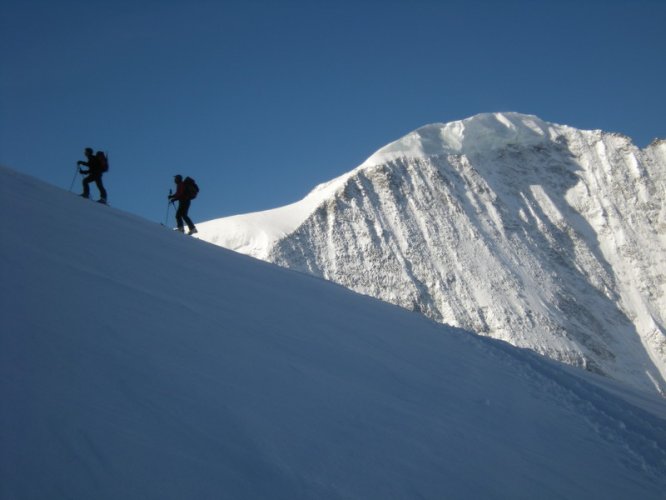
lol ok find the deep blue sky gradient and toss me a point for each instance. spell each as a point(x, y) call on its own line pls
point(261, 100)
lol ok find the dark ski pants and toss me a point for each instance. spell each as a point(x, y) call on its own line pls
point(181, 214)
point(97, 179)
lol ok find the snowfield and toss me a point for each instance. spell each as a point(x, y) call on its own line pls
point(139, 363)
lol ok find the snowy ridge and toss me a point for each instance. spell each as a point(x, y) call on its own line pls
point(159, 366)
point(479, 134)
point(256, 233)
point(544, 236)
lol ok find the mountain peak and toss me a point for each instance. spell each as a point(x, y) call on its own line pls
point(482, 132)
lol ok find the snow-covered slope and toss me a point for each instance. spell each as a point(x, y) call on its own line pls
point(137, 363)
point(545, 236)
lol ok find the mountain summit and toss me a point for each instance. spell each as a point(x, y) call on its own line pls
point(542, 235)
point(479, 134)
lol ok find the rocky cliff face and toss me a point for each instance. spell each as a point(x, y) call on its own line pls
point(547, 237)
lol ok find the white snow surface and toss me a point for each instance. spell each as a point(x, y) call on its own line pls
point(479, 134)
point(139, 363)
point(256, 233)
point(542, 235)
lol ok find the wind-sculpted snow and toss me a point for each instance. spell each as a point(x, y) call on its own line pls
point(478, 135)
point(542, 235)
point(139, 363)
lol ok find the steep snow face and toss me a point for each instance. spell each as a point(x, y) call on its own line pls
point(548, 237)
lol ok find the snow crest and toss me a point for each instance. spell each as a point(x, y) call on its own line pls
point(479, 134)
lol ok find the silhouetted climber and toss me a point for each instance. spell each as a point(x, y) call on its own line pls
point(186, 191)
point(97, 164)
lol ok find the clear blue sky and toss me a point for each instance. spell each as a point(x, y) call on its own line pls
point(260, 100)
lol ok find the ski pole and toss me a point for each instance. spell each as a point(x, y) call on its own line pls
point(76, 173)
point(169, 202)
